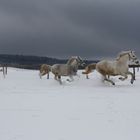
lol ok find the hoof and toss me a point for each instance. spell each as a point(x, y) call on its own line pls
point(113, 83)
point(121, 78)
point(132, 81)
point(68, 80)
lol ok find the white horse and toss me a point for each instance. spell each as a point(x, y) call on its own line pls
point(68, 69)
point(118, 67)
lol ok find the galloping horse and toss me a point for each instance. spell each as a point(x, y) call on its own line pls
point(44, 69)
point(68, 69)
point(118, 67)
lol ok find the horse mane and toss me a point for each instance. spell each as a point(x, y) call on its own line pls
point(71, 60)
point(122, 53)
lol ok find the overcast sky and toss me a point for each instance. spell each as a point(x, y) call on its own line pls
point(61, 28)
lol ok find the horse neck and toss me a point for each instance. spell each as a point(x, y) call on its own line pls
point(74, 63)
point(123, 59)
point(70, 61)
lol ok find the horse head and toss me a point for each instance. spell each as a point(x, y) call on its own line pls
point(131, 55)
point(76, 60)
point(80, 61)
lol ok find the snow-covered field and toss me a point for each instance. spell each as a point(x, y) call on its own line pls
point(39, 109)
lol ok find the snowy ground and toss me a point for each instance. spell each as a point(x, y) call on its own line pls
point(41, 109)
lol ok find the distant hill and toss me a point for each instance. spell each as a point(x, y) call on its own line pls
point(31, 62)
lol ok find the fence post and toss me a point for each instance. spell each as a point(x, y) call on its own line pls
point(134, 73)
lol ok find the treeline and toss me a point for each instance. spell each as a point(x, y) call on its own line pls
point(31, 62)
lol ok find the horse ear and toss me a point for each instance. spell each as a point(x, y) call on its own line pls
point(132, 51)
point(73, 56)
point(79, 57)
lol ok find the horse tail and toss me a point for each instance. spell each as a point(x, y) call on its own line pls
point(89, 68)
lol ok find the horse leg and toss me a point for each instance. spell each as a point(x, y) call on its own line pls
point(86, 72)
point(132, 76)
point(40, 75)
point(89, 71)
point(48, 75)
point(6, 70)
point(71, 78)
point(108, 80)
point(123, 78)
point(59, 79)
point(78, 75)
point(55, 76)
point(87, 76)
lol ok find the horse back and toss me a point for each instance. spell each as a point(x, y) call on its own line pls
point(106, 67)
point(61, 69)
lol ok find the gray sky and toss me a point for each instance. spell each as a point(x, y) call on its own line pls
point(61, 28)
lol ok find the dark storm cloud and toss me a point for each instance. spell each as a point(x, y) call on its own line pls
point(60, 28)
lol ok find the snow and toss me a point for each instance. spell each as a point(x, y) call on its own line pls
point(40, 109)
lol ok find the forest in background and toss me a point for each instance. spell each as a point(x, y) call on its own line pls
point(32, 62)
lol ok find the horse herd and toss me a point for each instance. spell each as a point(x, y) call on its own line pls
point(107, 68)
